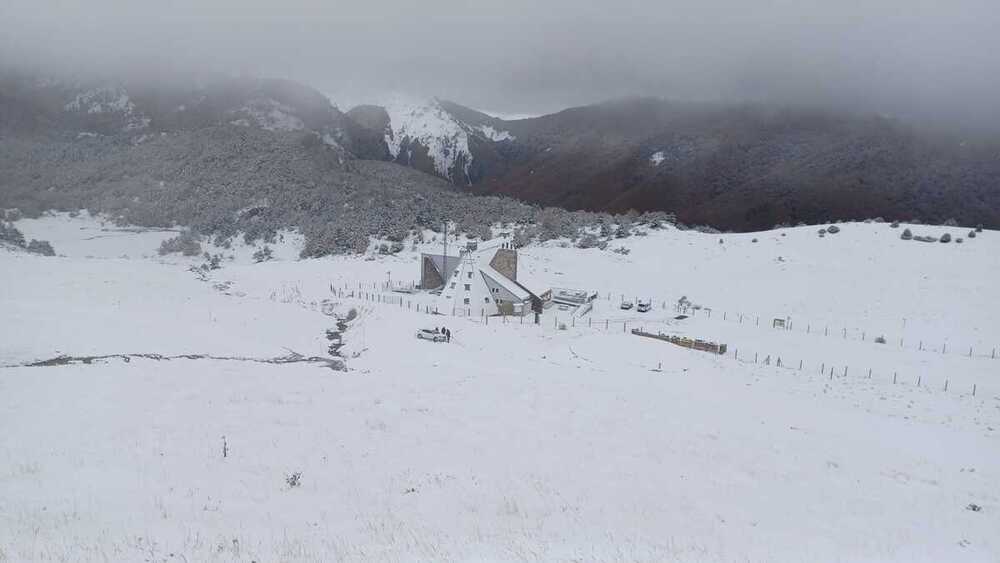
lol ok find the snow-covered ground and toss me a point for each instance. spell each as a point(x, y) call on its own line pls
point(515, 441)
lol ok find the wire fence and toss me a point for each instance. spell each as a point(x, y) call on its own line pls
point(375, 292)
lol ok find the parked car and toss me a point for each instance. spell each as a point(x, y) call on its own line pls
point(644, 306)
point(432, 335)
point(626, 305)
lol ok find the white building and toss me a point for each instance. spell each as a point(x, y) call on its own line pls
point(480, 282)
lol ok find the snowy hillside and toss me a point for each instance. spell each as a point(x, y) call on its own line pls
point(183, 414)
point(432, 127)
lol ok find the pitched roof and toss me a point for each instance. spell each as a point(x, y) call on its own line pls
point(528, 281)
point(505, 282)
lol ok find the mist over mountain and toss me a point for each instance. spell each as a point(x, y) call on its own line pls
point(72, 142)
point(732, 166)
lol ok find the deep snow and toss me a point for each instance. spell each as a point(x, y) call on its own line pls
point(513, 442)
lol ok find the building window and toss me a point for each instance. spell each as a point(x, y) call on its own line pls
point(468, 287)
point(453, 285)
point(466, 301)
point(486, 299)
point(470, 274)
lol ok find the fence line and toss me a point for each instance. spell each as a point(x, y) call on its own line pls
point(776, 361)
point(370, 292)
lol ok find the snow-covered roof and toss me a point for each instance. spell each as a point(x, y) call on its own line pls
point(506, 283)
point(528, 281)
point(445, 264)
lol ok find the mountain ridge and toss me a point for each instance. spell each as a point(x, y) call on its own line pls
point(739, 166)
point(731, 166)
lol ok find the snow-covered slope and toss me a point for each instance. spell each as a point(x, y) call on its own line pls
point(445, 137)
point(514, 442)
point(108, 102)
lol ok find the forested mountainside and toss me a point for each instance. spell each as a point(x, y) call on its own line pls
point(739, 167)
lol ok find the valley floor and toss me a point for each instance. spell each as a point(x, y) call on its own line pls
point(513, 442)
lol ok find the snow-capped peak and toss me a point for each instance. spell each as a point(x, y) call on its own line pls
point(430, 125)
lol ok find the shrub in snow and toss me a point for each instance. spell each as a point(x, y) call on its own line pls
point(212, 262)
point(822, 232)
point(833, 229)
point(907, 235)
point(880, 340)
point(979, 228)
point(186, 243)
point(946, 237)
point(263, 254)
point(294, 479)
point(754, 240)
point(587, 241)
point(622, 250)
point(524, 235)
point(972, 234)
point(394, 248)
point(11, 234)
point(958, 240)
point(40, 247)
point(11, 214)
point(895, 225)
point(951, 223)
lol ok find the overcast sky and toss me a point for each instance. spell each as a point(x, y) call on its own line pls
point(929, 58)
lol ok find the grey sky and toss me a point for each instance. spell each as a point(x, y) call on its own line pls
point(931, 58)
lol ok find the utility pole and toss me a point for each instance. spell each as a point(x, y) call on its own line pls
point(444, 266)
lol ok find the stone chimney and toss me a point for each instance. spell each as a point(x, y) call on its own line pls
point(505, 261)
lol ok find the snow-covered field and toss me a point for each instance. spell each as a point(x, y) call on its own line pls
point(513, 442)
